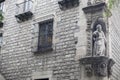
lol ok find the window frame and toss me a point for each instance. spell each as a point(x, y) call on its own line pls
point(46, 47)
point(2, 7)
point(1, 39)
point(24, 6)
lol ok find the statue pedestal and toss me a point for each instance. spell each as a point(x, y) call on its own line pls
point(96, 68)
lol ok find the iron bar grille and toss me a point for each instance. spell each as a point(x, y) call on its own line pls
point(1, 7)
point(45, 35)
point(24, 6)
point(1, 39)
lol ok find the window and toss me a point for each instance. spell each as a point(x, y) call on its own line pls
point(24, 10)
point(45, 35)
point(24, 6)
point(1, 39)
point(27, 5)
point(2, 7)
point(42, 79)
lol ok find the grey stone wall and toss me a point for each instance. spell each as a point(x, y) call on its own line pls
point(17, 60)
point(114, 23)
point(19, 63)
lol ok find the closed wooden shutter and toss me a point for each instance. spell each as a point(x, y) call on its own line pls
point(35, 34)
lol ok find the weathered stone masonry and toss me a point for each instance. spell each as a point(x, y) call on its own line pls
point(18, 62)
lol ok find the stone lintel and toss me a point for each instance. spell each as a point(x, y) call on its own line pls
point(94, 8)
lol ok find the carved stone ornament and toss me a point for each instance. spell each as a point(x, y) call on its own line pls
point(94, 8)
point(101, 66)
point(65, 4)
point(24, 16)
point(89, 70)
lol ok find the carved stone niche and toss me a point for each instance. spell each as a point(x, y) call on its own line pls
point(97, 66)
point(95, 15)
point(65, 4)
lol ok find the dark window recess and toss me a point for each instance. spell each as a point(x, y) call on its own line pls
point(23, 11)
point(1, 24)
point(1, 39)
point(2, 7)
point(65, 4)
point(45, 36)
point(42, 79)
point(1, 14)
point(2, 1)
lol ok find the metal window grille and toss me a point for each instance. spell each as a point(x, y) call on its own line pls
point(45, 35)
point(24, 6)
point(1, 39)
point(1, 7)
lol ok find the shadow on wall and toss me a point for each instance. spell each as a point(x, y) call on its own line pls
point(1, 77)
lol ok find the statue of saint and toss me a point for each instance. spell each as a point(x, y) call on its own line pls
point(99, 40)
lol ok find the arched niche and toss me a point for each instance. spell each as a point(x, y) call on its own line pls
point(98, 21)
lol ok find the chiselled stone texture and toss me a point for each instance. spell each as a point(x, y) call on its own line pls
point(17, 60)
point(98, 66)
point(114, 23)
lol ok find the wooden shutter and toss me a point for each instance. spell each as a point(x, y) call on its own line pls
point(35, 34)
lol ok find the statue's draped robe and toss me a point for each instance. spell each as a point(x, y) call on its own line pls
point(99, 43)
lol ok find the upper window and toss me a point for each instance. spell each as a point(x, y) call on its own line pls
point(24, 6)
point(45, 35)
point(65, 4)
point(2, 7)
point(24, 10)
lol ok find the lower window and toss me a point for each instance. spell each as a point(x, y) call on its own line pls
point(45, 35)
point(42, 79)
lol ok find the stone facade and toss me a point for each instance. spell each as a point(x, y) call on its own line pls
point(18, 62)
point(115, 39)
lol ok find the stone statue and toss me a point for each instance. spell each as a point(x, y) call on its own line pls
point(99, 40)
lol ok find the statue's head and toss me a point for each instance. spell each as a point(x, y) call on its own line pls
point(99, 27)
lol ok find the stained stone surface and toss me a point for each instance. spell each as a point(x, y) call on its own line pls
point(19, 63)
point(1, 77)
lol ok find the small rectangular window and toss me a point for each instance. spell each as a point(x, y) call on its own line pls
point(1, 39)
point(27, 5)
point(24, 6)
point(45, 35)
point(2, 7)
point(42, 79)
